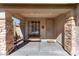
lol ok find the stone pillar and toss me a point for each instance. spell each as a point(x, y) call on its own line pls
point(9, 33)
point(6, 33)
point(2, 34)
point(69, 33)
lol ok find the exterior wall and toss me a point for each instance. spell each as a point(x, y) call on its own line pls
point(69, 35)
point(2, 34)
point(59, 28)
point(50, 28)
point(9, 33)
point(43, 31)
point(64, 31)
point(77, 30)
point(77, 40)
point(6, 34)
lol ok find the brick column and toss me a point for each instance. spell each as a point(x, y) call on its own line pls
point(6, 33)
point(9, 33)
point(69, 34)
point(2, 34)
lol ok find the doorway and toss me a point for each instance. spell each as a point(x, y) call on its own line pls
point(34, 30)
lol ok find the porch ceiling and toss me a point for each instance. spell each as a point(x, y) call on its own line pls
point(43, 12)
point(37, 10)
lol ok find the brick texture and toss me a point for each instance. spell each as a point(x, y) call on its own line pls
point(2, 37)
point(6, 35)
point(9, 34)
point(69, 35)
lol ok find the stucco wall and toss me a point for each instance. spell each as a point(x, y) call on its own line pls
point(77, 30)
point(43, 30)
point(59, 27)
point(50, 28)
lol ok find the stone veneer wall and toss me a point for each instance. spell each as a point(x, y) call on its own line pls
point(6, 34)
point(69, 33)
point(9, 33)
point(64, 26)
point(2, 34)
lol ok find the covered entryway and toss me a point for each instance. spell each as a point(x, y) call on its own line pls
point(50, 24)
point(40, 49)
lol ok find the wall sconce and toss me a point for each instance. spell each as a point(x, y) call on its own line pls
point(42, 27)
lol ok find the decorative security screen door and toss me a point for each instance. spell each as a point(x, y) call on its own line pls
point(34, 28)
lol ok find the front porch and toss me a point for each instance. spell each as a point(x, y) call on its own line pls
point(40, 49)
point(53, 25)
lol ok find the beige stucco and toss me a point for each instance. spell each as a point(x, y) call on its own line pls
point(59, 27)
point(50, 28)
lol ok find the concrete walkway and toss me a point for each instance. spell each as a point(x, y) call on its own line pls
point(40, 49)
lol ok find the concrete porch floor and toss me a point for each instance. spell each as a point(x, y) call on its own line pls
point(40, 49)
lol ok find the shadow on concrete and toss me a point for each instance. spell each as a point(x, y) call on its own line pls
point(19, 46)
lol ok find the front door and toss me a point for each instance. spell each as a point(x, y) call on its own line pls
point(34, 29)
